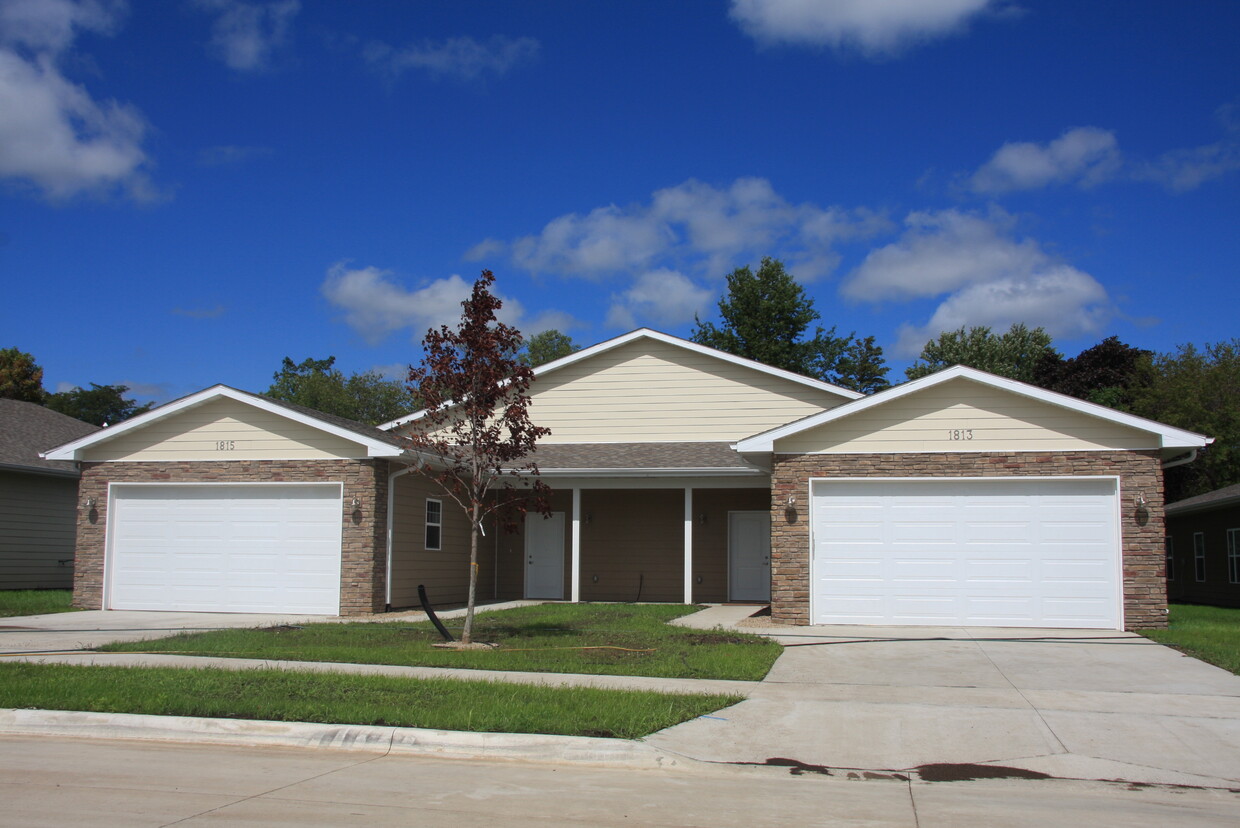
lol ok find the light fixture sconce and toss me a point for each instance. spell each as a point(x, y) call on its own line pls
point(791, 502)
point(1140, 500)
point(90, 503)
point(355, 503)
point(702, 519)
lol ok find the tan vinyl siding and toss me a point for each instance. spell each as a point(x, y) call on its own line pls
point(445, 572)
point(710, 538)
point(196, 434)
point(38, 523)
point(990, 418)
point(633, 541)
point(650, 391)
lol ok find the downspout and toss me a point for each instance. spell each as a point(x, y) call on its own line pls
point(1180, 461)
point(387, 600)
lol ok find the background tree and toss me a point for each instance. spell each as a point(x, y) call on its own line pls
point(101, 405)
point(547, 346)
point(21, 378)
point(766, 316)
point(862, 367)
point(1105, 374)
point(1016, 354)
point(367, 397)
point(476, 397)
point(1198, 390)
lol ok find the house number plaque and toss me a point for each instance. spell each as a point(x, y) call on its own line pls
point(225, 445)
point(959, 434)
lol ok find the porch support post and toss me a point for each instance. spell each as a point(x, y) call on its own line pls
point(576, 548)
point(688, 546)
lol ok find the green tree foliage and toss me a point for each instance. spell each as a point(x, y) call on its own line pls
point(21, 378)
point(547, 346)
point(1198, 390)
point(1016, 354)
point(366, 397)
point(477, 420)
point(862, 367)
point(1104, 374)
point(766, 316)
point(100, 405)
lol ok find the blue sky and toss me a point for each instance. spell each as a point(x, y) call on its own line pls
point(192, 190)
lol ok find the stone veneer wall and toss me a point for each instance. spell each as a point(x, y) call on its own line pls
point(363, 566)
point(1145, 595)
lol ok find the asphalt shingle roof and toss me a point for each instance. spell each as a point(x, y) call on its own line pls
point(27, 429)
point(1218, 497)
point(551, 456)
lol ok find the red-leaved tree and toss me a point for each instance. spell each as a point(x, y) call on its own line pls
point(476, 422)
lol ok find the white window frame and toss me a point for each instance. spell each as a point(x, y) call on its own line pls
point(1199, 556)
point(437, 525)
point(1169, 552)
point(1233, 556)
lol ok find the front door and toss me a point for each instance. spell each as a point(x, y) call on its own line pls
point(749, 556)
point(544, 556)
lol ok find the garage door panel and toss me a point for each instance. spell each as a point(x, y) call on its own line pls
point(1029, 552)
point(226, 548)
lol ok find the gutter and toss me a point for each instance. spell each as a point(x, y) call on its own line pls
point(1180, 461)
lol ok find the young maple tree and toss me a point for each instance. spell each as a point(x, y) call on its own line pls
point(476, 422)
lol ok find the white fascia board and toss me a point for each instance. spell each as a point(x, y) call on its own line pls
point(72, 451)
point(668, 339)
point(1169, 436)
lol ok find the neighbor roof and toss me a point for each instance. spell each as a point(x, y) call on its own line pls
point(1169, 436)
point(378, 443)
point(583, 459)
point(1225, 496)
point(667, 339)
point(28, 428)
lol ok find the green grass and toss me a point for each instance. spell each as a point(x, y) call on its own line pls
point(630, 640)
point(34, 601)
point(1209, 633)
point(281, 695)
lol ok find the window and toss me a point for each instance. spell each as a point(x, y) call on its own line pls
point(1199, 555)
point(1170, 544)
point(434, 524)
point(1233, 555)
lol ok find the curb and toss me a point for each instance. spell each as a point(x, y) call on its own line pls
point(407, 741)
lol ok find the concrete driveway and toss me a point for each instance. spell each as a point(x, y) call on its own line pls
point(1067, 703)
point(67, 631)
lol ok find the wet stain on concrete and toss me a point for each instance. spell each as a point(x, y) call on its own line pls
point(964, 772)
point(796, 767)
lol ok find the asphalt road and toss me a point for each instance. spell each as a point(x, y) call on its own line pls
point(66, 782)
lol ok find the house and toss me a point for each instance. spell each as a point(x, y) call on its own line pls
point(38, 498)
point(681, 474)
point(1203, 548)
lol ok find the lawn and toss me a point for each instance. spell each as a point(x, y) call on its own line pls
point(281, 695)
point(34, 601)
point(1209, 633)
point(600, 639)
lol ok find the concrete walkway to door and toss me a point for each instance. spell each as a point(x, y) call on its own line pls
point(1084, 704)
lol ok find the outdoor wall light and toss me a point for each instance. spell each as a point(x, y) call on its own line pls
point(90, 503)
point(1140, 500)
point(355, 503)
point(791, 502)
point(702, 518)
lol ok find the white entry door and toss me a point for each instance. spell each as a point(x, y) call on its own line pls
point(749, 556)
point(544, 556)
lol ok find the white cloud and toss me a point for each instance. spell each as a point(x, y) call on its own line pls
point(1084, 155)
point(246, 36)
point(986, 276)
point(664, 297)
point(53, 134)
point(697, 225)
point(375, 304)
point(1186, 169)
point(873, 27)
point(463, 58)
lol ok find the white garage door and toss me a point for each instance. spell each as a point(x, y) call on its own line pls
point(1004, 553)
point(256, 548)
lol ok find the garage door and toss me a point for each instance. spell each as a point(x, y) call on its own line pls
point(256, 548)
point(1006, 553)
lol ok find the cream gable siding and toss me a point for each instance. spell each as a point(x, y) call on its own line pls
point(197, 433)
point(960, 415)
point(649, 391)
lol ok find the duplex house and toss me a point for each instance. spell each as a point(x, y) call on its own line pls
point(681, 474)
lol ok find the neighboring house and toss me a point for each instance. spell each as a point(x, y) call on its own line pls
point(681, 474)
point(38, 498)
point(1203, 548)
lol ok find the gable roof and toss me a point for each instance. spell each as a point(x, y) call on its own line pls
point(666, 339)
point(640, 459)
point(1169, 436)
point(27, 428)
point(1226, 496)
point(378, 443)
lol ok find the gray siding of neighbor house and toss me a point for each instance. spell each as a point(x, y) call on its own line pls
point(38, 516)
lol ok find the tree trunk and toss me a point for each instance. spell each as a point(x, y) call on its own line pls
point(467, 633)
